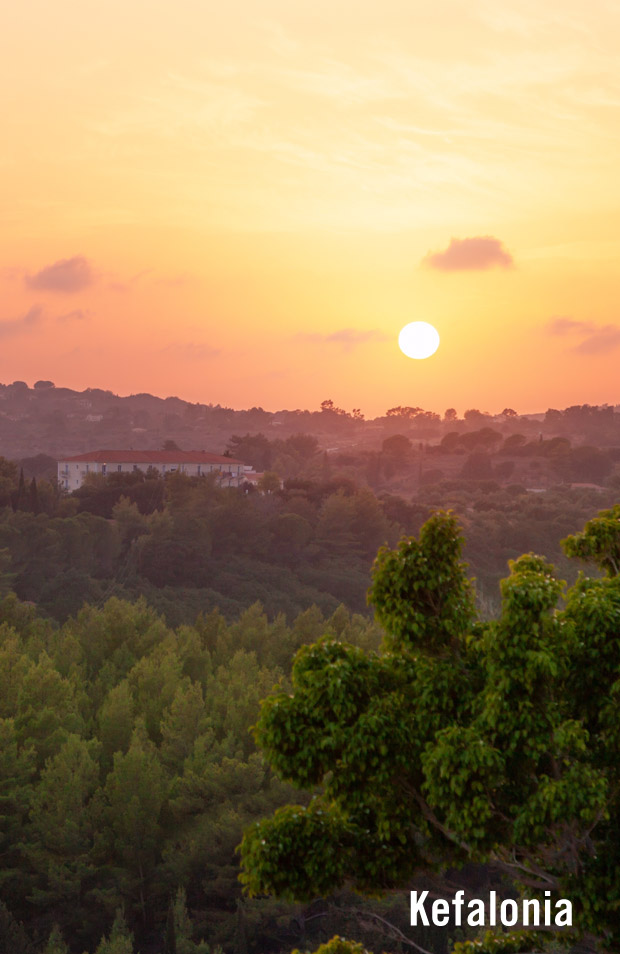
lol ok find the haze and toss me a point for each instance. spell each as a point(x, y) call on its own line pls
point(243, 204)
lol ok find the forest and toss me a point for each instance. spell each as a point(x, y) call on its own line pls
point(143, 620)
point(128, 771)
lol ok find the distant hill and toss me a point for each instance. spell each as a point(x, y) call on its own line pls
point(58, 421)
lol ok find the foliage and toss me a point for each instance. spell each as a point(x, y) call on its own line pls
point(461, 741)
point(128, 772)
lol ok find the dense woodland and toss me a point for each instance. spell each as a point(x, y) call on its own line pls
point(144, 618)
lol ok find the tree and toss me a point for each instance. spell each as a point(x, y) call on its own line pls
point(120, 940)
point(599, 542)
point(56, 943)
point(33, 497)
point(397, 446)
point(477, 466)
point(13, 937)
point(450, 415)
point(269, 483)
point(60, 832)
point(135, 792)
point(8, 481)
point(474, 416)
point(461, 741)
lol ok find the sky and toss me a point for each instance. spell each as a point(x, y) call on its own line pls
point(243, 203)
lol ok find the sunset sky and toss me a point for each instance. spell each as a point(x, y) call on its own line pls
point(243, 203)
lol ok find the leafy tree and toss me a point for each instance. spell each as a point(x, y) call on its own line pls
point(599, 542)
point(269, 483)
point(396, 446)
point(460, 742)
point(477, 466)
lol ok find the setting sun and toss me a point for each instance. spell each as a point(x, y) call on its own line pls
point(418, 340)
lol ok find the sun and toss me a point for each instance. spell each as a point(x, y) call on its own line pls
point(418, 340)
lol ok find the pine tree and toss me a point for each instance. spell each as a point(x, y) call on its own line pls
point(170, 940)
point(33, 497)
point(120, 940)
point(20, 499)
point(56, 943)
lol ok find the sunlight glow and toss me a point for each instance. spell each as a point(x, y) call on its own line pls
point(418, 340)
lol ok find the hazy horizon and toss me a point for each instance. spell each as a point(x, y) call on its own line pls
point(244, 207)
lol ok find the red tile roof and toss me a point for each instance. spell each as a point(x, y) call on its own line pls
point(153, 457)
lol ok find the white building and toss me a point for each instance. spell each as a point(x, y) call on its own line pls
point(73, 470)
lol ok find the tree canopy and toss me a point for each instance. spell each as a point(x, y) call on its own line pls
point(459, 741)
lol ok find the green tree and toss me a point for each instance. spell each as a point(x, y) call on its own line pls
point(599, 542)
point(461, 741)
point(116, 719)
point(13, 937)
point(56, 943)
point(135, 792)
point(8, 481)
point(269, 483)
point(120, 940)
point(17, 769)
point(60, 831)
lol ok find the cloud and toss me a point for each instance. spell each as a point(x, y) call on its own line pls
point(470, 254)
point(563, 326)
point(67, 275)
point(27, 322)
point(605, 338)
point(346, 338)
point(78, 314)
point(596, 339)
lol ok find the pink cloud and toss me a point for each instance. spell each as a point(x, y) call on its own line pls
point(596, 339)
point(67, 275)
point(16, 326)
point(470, 254)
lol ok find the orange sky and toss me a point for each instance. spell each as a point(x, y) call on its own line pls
point(244, 203)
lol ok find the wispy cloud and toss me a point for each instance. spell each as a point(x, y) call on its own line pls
point(477, 253)
point(346, 338)
point(561, 325)
point(605, 338)
point(66, 275)
point(23, 324)
point(595, 338)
